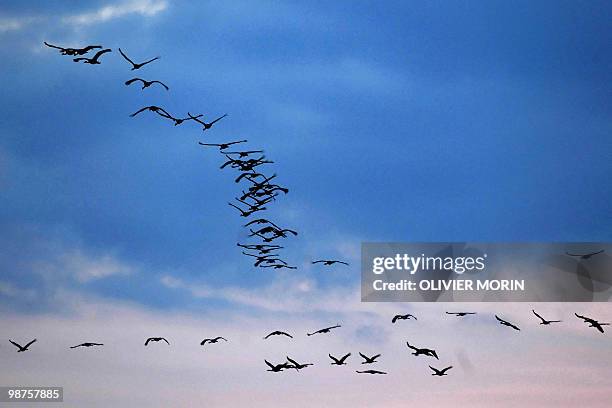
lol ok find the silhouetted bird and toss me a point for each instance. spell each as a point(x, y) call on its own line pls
point(178, 121)
point(146, 84)
point(325, 330)
point(260, 221)
point(329, 262)
point(460, 314)
point(155, 339)
point(370, 372)
point(94, 59)
point(20, 347)
point(212, 341)
point(592, 322)
point(87, 345)
point(402, 317)
point(423, 351)
point(441, 372)
point(368, 360)
point(73, 51)
point(505, 323)
point(283, 266)
point(339, 361)
point(544, 321)
point(244, 153)
point(222, 146)
point(206, 126)
point(135, 65)
point(296, 365)
point(276, 368)
point(585, 256)
point(246, 213)
point(278, 333)
point(156, 109)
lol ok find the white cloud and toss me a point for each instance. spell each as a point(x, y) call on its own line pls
point(86, 268)
point(146, 8)
point(15, 23)
point(10, 290)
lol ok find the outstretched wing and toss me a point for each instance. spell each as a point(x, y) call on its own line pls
point(540, 317)
point(165, 341)
point(99, 53)
point(151, 60)
point(147, 342)
point(445, 369)
point(53, 46)
point(14, 344)
point(131, 81)
point(218, 119)
point(30, 343)
point(161, 83)
point(126, 57)
point(334, 358)
point(345, 357)
point(272, 366)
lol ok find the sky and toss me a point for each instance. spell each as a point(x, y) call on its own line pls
point(412, 121)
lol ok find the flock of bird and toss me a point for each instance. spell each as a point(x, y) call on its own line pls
point(260, 191)
point(291, 364)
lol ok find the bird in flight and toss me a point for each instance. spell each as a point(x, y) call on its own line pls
point(94, 60)
point(370, 372)
point(460, 314)
point(20, 347)
point(592, 322)
point(325, 330)
point(206, 126)
point(160, 111)
point(73, 51)
point(585, 256)
point(278, 367)
point(402, 317)
point(150, 339)
point(145, 83)
point(245, 153)
point(327, 262)
point(135, 65)
point(296, 365)
point(278, 333)
point(505, 323)
point(87, 345)
point(544, 321)
point(222, 146)
point(368, 360)
point(423, 351)
point(339, 361)
point(212, 341)
point(442, 372)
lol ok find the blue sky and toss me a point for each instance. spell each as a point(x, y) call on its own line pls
point(412, 121)
point(409, 122)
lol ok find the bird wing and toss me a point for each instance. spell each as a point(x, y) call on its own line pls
point(500, 320)
point(364, 356)
point(316, 262)
point(412, 347)
point(79, 345)
point(138, 111)
point(295, 363)
point(272, 366)
point(99, 53)
point(53, 46)
point(445, 369)
point(375, 357)
point(220, 338)
point(162, 84)
point(345, 357)
point(131, 81)
point(598, 327)
point(126, 57)
point(165, 340)
point(435, 369)
point(148, 340)
point(433, 353)
point(581, 317)
point(151, 60)
point(218, 119)
point(30, 343)
point(540, 317)
point(334, 358)
point(15, 344)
